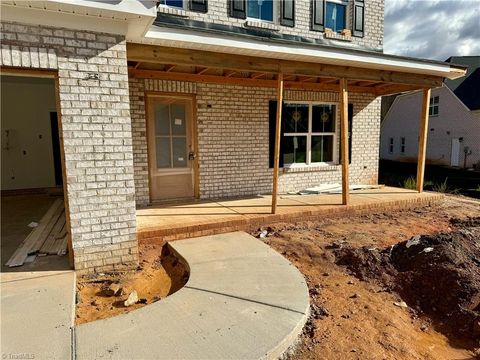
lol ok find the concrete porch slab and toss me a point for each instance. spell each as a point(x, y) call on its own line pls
point(243, 301)
point(175, 221)
point(37, 310)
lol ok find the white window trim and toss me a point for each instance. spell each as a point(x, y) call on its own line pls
point(275, 14)
point(309, 135)
point(184, 6)
point(433, 106)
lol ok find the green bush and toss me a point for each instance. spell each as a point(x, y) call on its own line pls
point(410, 183)
point(442, 187)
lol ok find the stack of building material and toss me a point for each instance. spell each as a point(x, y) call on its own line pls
point(49, 237)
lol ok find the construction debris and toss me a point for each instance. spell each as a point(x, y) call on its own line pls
point(333, 189)
point(48, 237)
point(132, 299)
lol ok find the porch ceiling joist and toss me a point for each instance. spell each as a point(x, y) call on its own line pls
point(176, 76)
point(158, 54)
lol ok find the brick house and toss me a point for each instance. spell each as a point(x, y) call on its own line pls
point(181, 99)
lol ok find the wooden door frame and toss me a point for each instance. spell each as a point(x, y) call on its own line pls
point(52, 74)
point(195, 166)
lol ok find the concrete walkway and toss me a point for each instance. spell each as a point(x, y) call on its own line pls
point(37, 311)
point(242, 301)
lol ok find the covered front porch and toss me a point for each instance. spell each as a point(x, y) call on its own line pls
point(180, 220)
point(236, 143)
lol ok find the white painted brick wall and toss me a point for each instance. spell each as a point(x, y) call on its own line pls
point(96, 131)
point(233, 139)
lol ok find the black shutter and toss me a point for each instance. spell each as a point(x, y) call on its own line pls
point(358, 18)
point(272, 124)
point(350, 122)
point(199, 5)
point(318, 15)
point(287, 13)
point(238, 9)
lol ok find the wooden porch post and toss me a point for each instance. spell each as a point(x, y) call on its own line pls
point(422, 140)
point(344, 139)
point(276, 158)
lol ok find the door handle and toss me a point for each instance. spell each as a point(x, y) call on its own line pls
point(191, 155)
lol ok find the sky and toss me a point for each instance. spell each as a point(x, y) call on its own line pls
point(432, 29)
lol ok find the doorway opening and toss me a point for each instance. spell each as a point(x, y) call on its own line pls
point(34, 229)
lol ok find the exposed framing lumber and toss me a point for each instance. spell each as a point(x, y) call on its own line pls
point(228, 79)
point(258, 75)
point(68, 226)
point(158, 54)
point(276, 158)
point(26, 72)
point(422, 141)
point(202, 71)
point(230, 73)
point(344, 140)
point(308, 78)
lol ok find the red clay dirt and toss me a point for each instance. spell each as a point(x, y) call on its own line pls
point(355, 319)
point(159, 274)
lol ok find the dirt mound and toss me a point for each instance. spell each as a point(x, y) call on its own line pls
point(437, 274)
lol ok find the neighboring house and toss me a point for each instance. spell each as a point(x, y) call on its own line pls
point(454, 122)
point(179, 101)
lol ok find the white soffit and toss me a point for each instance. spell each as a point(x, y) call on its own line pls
point(126, 17)
point(189, 39)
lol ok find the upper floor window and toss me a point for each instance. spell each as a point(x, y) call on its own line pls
point(434, 104)
point(260, 9)
point(174, 3)
point(335, 18)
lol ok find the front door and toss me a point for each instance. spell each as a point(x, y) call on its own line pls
point(171, 147)
point(454, 157)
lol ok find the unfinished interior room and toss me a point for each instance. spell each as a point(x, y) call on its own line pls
point(34, 232)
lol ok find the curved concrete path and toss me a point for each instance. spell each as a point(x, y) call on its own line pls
point(243, 301)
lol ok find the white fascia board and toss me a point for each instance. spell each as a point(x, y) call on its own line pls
point(188, 39)
point(128, 20)
point(120, 8)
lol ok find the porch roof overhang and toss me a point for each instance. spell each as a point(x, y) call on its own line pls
point(193, 55)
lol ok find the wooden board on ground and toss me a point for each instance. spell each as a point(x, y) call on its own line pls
point(50, 243)
point(37, 236)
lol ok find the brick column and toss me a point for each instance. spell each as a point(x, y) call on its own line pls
point(97, 137)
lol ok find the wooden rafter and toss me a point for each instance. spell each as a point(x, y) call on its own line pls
point(163, 75)
point(257, 75)
point(307, 78)
point(229, 73)
point(187, 57)
point(201, 71)
point(328, 81)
